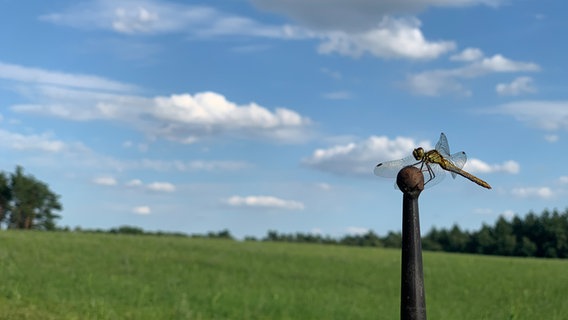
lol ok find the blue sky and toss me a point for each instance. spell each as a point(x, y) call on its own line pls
point(271, 114)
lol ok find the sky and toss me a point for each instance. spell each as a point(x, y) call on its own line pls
point(198, 116)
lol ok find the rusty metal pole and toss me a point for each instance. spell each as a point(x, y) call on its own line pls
point(410, 181)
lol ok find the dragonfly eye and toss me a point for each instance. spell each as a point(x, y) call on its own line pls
point(418, 153)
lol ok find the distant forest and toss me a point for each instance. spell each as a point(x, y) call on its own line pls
point(544, 235)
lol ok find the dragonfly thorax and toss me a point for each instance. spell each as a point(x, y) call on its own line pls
point(418, 153)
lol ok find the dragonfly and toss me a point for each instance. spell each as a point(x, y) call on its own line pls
point(433, 163)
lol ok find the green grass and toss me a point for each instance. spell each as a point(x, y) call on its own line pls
point(101, 276)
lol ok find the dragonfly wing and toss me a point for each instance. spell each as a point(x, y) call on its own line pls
point(458, 159)
point(390, 169)
point(433, 176)
point(442, 146)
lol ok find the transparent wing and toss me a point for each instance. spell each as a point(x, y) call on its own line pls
point(443, 147)
point(433, 176)
point(390, 169)
point(458, 159)
point(433, 173)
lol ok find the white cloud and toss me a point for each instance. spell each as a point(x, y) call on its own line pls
point(436, 82)
point(154, 186)
point(540, 192)
point(468, 54)
point(357, 230)
point(551, 138)
point(130, 16)
point(508, 214)
point(563, 179)
point(264, 202)
point(187, 166)
point(142, 210)
point(134, 183)
point(208, 112)
point(547, 115)
point(518, 86)
point(498, 63)
point(150, 17)
point(31, 142)
point(443, 81)
point(476, 165)
point(317, 231)
point(184, 118)
point(161, 187)
point(381, 36)
point(46, 77)
point(105, 181)
point(392, 38)
point(360, 158)
point(323, 186)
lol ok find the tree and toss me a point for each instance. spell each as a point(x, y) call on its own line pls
point(5, 196)
point(27, 203)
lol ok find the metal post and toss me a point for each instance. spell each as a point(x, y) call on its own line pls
point(410, 180)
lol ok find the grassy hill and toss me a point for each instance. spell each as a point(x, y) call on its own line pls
point(100, 276)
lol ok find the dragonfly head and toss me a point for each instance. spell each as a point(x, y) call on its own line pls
point(418, 153)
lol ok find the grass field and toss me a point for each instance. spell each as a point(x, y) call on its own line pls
point(100, 276)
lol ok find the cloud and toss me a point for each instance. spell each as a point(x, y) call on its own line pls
point(150, 17)
point(134, 183)
point(267, 202)
point(381, 36)
point(317, 231)
point(142, 210)
point(360, 158)
point(210, 113)
point(323, 186)
point(355, 15)
point(161, 187)
point(518, 86)
point(55, 78)
point(31, 142)
point(129, 16)
point(551, 138)
point(105, 181)
point(444, 81)
point(543, 114)
point(186, 166)
point(184, 117)
point(392, 38)
point(468, 54)
point(357, 231)
point(154, 186)
point(508, 214)
point(476, 165)
point(539, 192)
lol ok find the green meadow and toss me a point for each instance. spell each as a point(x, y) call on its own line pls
point(65, 275)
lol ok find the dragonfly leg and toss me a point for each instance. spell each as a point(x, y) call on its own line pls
point(431, 173)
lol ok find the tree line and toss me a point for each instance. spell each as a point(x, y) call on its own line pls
point(28, 203)
point(544, 235)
